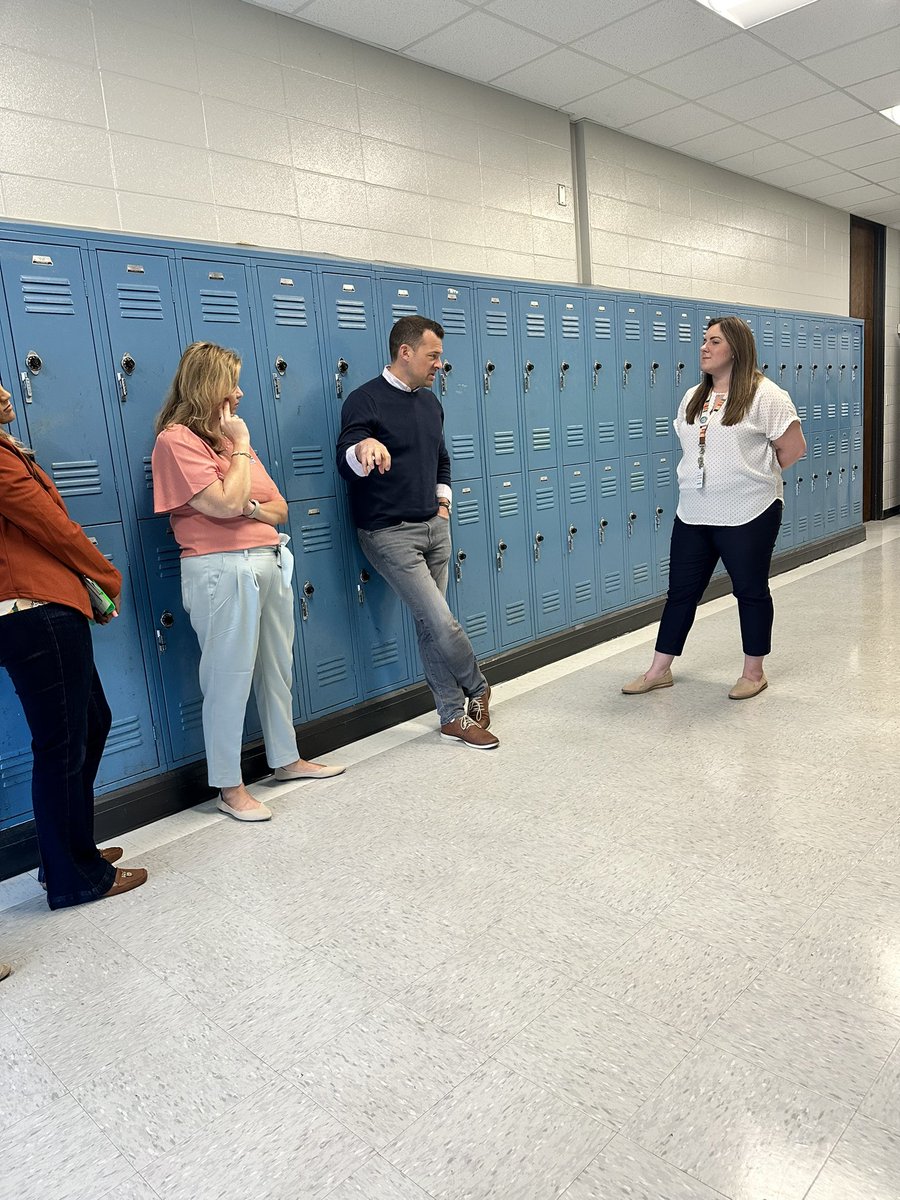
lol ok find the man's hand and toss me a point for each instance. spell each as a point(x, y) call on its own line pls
point(370, 454)
point(444, 512)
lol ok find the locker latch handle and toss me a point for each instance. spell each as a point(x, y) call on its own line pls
point(601, 530)
point(460, 559)
point(781, 370)
point(829, 368)
point(659, 513)
point(841, 475)
point(26, 387)
point(654, 367)
point(812, 482)
point(445, 371)
point(364, 578)
point(798, 369)
point(828, 475)
point(308, 590)
point(679, 367)
point(626, 367)
point(538, 540)
point(526, 374)
point(598, 367)
point(632, 517)
point(813, 368)
point(340, 371)
point(123, 386)
point(501, 550)
point(573, 529)
point(563, 371)
point(489, 369)
point(797, 486)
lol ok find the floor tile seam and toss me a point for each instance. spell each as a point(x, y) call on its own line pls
point(789, 898)
point(66, 1090)
point(827, 1159)
point(102, 1132)
point(664, 1165)
point(892, 1018)
point(376, 1154)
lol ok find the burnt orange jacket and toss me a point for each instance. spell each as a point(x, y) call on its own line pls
point(43, 553)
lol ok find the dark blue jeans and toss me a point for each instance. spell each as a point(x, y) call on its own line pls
point(746, 552)
point(50, 658)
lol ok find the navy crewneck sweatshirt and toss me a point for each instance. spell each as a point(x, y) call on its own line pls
point(411, 425)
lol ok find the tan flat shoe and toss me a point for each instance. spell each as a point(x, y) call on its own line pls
point(639, 686)
point(5, 969)
point(746, 689)
point(313, 771)
point(260, 813)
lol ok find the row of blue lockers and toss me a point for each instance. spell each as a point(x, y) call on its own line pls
point(558, 414)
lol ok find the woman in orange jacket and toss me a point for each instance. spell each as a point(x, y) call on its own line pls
point(45, 646)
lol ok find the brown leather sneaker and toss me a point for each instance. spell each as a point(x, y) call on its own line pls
point(478, 709)
point(464, 730)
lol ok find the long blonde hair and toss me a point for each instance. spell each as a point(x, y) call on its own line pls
point(745, 375)
point(205, 376)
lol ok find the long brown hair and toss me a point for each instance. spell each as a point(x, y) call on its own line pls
point(745, 375)
point(205, 376)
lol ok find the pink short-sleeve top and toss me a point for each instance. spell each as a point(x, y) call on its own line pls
point(183, 465)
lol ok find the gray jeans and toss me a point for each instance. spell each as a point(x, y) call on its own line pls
point(414, 559)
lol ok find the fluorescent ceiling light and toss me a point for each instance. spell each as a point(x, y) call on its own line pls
point(892, 114)
point(748, 13)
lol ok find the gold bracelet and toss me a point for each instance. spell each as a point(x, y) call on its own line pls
point(244, 453)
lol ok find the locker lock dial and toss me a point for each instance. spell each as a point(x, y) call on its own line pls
point(563, 371)
point(573, 529)
point(601, 529)
point(340, 371)
point(308, 590)
point(280, 365)
point(626, 367)
point(501, 550)
point(166, 621)
point(526, 378)
point(679, 367)
point(444, 372)
point(489, 369)
point(33, 362)
point(364, 578)
point(598, 367)
point(460, 559)
point(127, 363)
point(538, 539)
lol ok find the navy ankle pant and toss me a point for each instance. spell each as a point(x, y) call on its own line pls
point(746, 552)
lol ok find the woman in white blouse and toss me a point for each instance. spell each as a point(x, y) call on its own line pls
point(738, 431)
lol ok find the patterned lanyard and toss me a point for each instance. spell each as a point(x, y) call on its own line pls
point(720, 398)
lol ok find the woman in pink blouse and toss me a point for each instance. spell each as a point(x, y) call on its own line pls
point(235, 571)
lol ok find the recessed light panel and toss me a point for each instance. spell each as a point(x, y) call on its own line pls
point(892, 114)
point(747, 13)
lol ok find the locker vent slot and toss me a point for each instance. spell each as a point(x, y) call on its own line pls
point(857, 509)
point(818, 521)
point(535, 325)
point(801, 411)
point(664, 567)
point(584, 592)
point(832, 409)
point(168, 562)
point(802, 525)
point(148, 472)
point(578, 491)
point(462, 445)
point(845, 510)
point(504, 441)
point(351, 314)
point(816, 339)
point(508, 505)
point(635, 428)
point(571, 327)
point(602, 329)
point(857, 441)
point(467, 512)
point(290, 310)
point(831, 340)
point(308, 460)
point(191, 713)
point(612, 582)
point(786, 340)
point(497, 323)
point(632, 329)
point(817, 450)
point(476, 625)
point(403, 310)
point(845, 408)
point(316, 537)
point(845, 443)
point(454, 320)
point(606, 431)
point(52, 297)
point(124, 735)
point(140, 302)
point(551, 602)
point(77, 478)
point(660, 333)
point(575, 435)
point(15, 768)
point(637, 481)
point(661, 427)
point(768, 336)
point(609, 486)
point(831, 518)
point(385, 653)
point(544, 499)
point(515, 613)
point(663, 476)
point(685, 332)
point(220, 307)
point(641, 573)
point(331, 671)
point(540, 439)
point(802, 336)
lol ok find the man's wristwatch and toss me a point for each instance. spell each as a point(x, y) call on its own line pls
point(254, 509)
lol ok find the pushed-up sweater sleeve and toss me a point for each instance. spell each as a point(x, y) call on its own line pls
point(358, 422)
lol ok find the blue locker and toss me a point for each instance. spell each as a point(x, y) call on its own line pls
point(219, 310)
point(381, 627)
point(686, 366)
point(799, 376)
point(661, 377)
point(856, 379)
point(832, 476)
point(610, 525)
point(304, 441)
point(458, 384)
point(767, 345)
point(832, 372)
point(581, 560)
point(665, 502)
point(511, 551)
point(354, 355)
point(60, 398)
point(499, 373)
point(606, 396)
point(802, 472)
point(784, 373)
point(145, 343)
point(399, 296)
point(785, 538)
point(571, 360)
point(638, 528)
point(845, 355)
point(633, 377)
point(816, 487)
point(856, 479)
point(816, 379)
point(844, 463)
point(538, 378)
point(750, 317)
point(470, 593)
point(545, 510)
point(325, 642)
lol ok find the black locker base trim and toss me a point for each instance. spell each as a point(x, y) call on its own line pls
point(890, 512)
point(142, 803)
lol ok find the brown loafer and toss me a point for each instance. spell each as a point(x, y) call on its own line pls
point(126, 881)
point(5, 969)
point(639, 686)
point(112, 854)
point(746, 689)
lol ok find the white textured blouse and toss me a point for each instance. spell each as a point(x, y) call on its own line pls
point(742, 477)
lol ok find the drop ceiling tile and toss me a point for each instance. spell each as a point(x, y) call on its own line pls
point(859, 60)
point(630, 100)
point(700, 73)
point(767, 158)
point(477, 45)
point(816, 189)
point(807, 171)
point(826, 25)
point(810, 115)
point(778, 89)
point(883, 150)
point(845, 135)
point(881, 92)
point(393, 26)
point(558, 78)
point(563, 22)
point(886, 173)
point(654, 35)
point(687, 121)
point(735, 139)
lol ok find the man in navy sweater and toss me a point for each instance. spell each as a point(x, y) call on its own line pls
point(391, 451)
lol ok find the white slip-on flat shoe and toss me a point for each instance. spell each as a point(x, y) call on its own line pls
point(244, 814)
point(322, 771)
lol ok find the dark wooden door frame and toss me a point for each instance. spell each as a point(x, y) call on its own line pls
point(867, 298)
